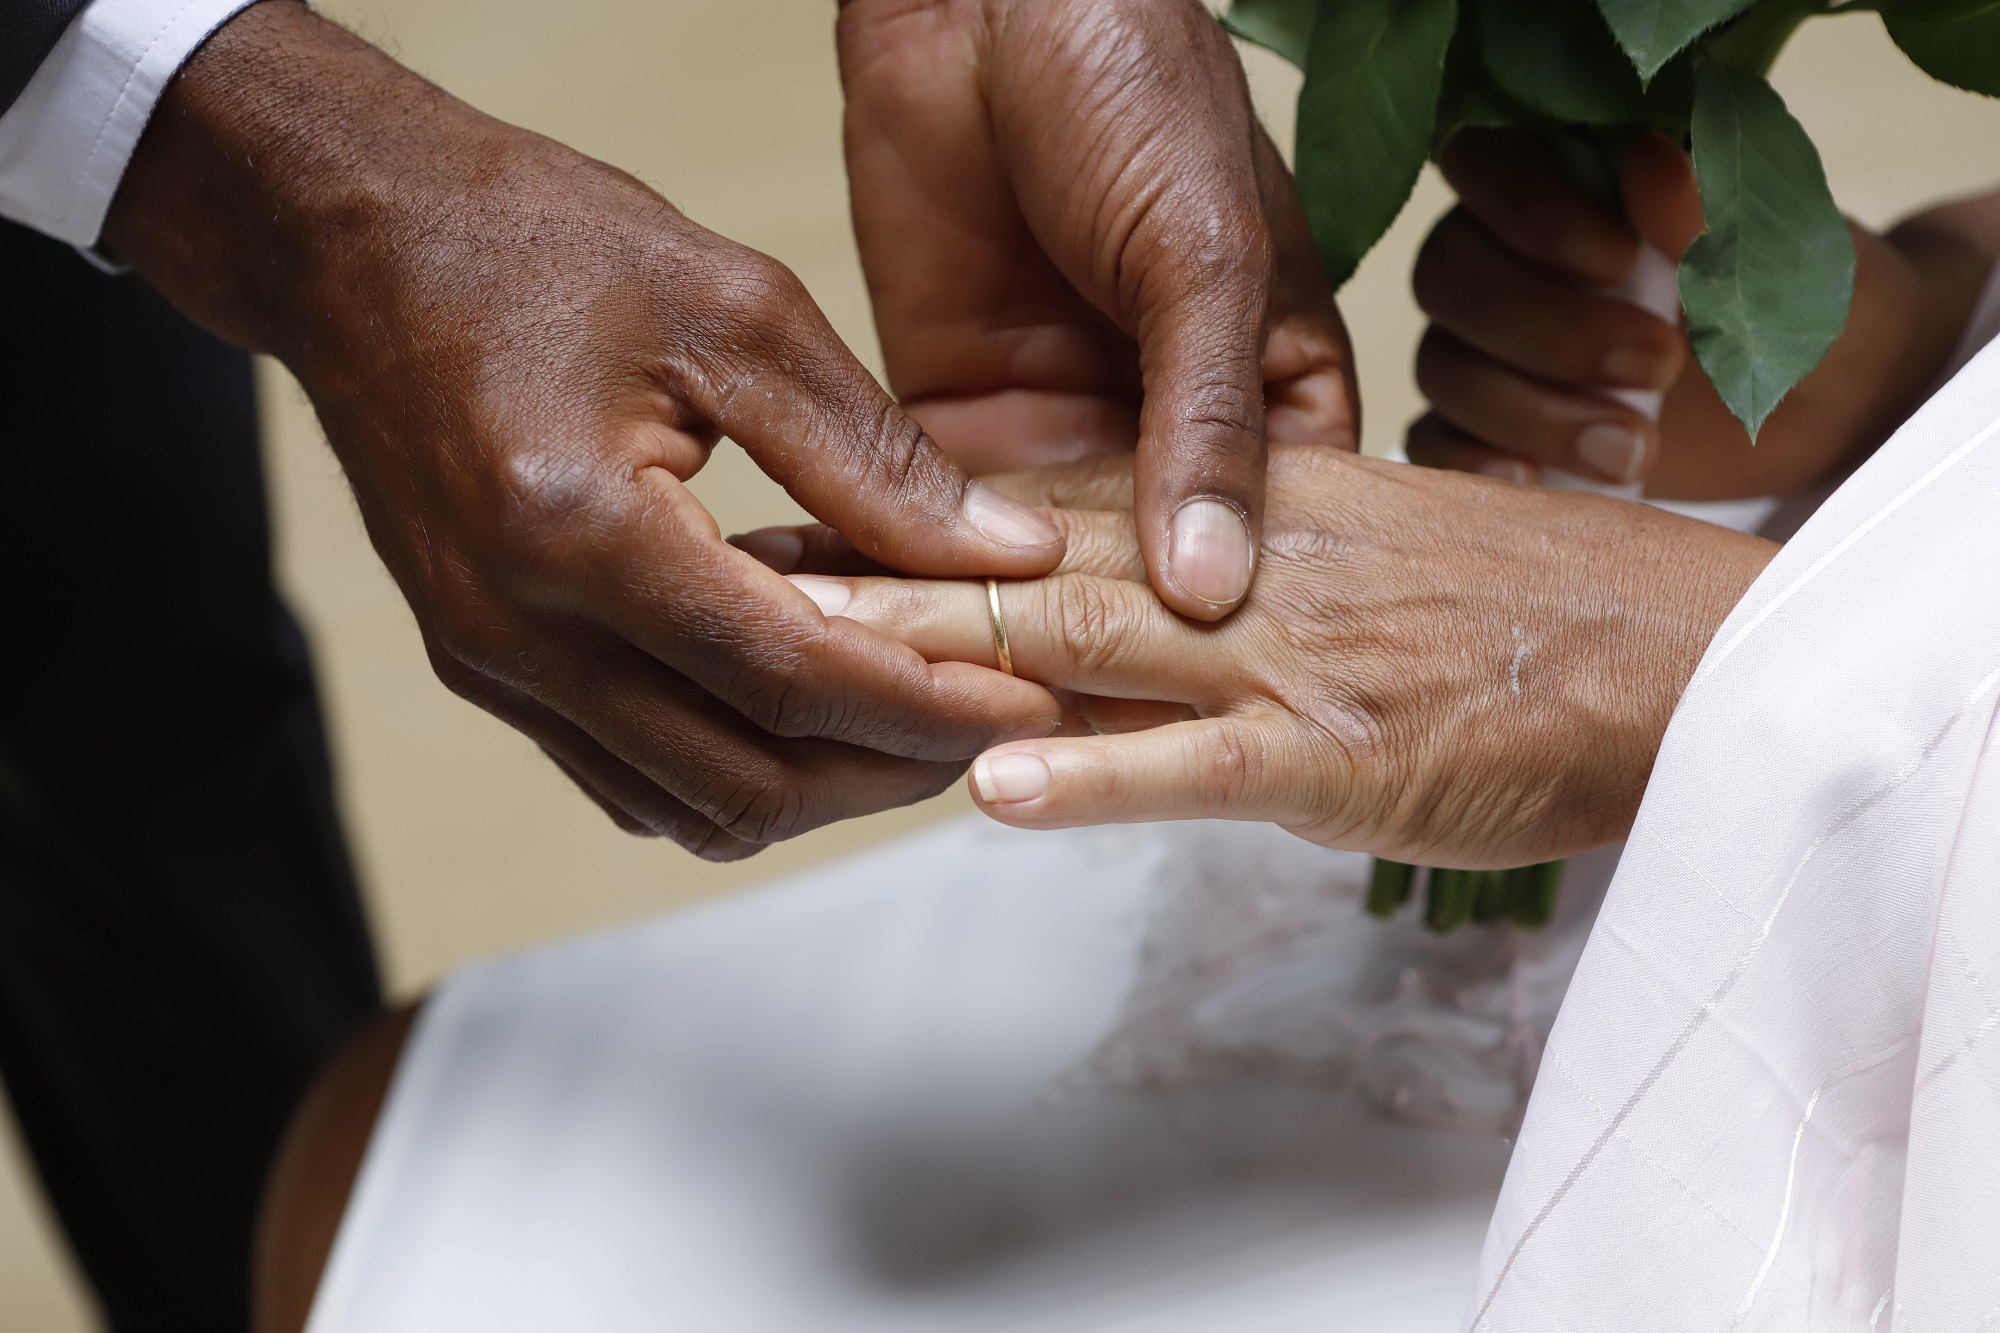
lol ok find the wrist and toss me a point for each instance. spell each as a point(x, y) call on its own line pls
point(1698, 574)
point(289, 166)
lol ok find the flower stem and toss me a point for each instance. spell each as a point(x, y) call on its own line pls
point(1389, 886)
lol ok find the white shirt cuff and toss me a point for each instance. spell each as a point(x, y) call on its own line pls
point(65, 141)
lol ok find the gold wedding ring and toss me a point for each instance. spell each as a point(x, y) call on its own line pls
point(1000, 647)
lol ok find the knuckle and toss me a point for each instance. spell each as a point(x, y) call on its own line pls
point(1189, 229)
point(465, 645)
point(897, 456)
point(781, 698)
point(1224, 415)
point(768, 808)
point(759, 294)
point(1091, 622)
point(547, 511)
point(1232, 765)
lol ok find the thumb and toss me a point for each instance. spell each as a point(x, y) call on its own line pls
point(1243, 767)
point(1198, 479)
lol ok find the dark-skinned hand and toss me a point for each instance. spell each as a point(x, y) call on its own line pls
point(1078, 239)
point(1523, 339)
point(519, 355)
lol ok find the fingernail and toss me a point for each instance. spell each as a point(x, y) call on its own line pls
point(829, 595)
point(1008, 779)
point(1617, 451)
point(1637, 367)
point(1209, 554)
point(1005, 520)
point(774, 548)
point(1508, 470)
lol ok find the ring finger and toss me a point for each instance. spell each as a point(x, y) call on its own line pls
point(1074, 632)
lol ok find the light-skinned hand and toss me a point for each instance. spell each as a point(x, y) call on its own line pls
point(1432, 667)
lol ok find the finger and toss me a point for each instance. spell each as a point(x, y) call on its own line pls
point(1434, 442)
point(1310, 393)
point(1591, 435)
point(1511, 181)
point(1104, 544)
point(806, 548)
point(1305, 402)
point(1076, 632)
point(1090, 483)
point(1246, 767)
point(1155, 213)
point(634, 802)
point(775, 378)
point(1661, 194)
point(754, 788)
point(606, 786)
point(1537, 321)
point(1101, 544)
point(1198, 479)
point(617, 813)
point(665, 582)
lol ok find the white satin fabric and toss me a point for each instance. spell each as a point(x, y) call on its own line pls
point(1130, 1078)
point(880, 1099)
point(1772, 1099)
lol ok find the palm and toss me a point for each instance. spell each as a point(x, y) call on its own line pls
point(1012, 329)
point(986, 341)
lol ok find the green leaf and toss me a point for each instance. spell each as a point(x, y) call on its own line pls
point(1560, 58)
point(1590, 159)
point(1766, 288)
point(1936, 11)
point(1284, 26)
point(1366, 113)
point(1963, 52)
point(1469, 95)
point(1652, 32)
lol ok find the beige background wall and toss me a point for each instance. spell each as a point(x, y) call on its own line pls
point(468, 841)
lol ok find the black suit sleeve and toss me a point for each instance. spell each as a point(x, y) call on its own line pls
point(28, 29)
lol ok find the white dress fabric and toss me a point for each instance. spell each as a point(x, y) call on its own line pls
point(1772, 1099)
point(983, 1079)
point(1133, 1078)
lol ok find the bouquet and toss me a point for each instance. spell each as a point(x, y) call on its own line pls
point(1765, 291)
